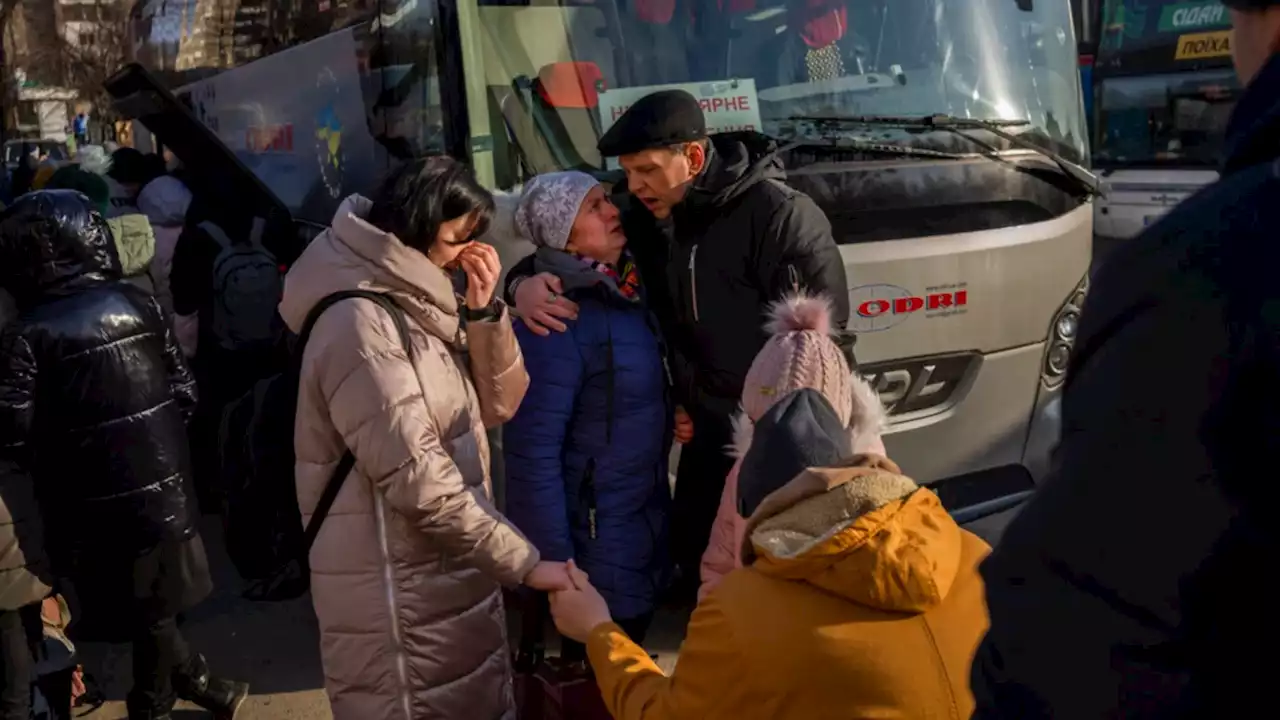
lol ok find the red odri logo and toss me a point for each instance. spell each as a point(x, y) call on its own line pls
point(882, 306)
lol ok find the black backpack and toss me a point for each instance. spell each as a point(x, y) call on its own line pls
point(263, 526)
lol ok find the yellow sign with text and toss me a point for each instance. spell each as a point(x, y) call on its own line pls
point(1204, 45)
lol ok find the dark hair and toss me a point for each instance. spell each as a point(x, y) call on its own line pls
point(129, 165)
point(415, 199)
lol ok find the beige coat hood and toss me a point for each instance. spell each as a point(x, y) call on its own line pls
point(360, 256)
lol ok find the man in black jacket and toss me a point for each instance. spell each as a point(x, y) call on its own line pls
point(94, 399)
point(718, 236)
point(1127, 587)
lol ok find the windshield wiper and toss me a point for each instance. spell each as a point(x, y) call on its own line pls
point(1087, 180)
point(876, 147)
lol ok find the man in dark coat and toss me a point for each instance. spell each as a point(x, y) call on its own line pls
point(94, 398)
point(718, 236)
point(1123, 589)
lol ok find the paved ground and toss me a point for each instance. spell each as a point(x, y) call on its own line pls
point(275, 646)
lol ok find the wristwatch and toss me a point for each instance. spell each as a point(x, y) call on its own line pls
point(488, 312)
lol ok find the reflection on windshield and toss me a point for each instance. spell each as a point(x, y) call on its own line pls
point(968, 58)
point(1172, 119)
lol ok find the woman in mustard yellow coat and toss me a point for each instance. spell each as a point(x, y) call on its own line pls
point(859, 596)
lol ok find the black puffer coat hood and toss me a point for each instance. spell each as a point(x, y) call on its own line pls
point(94, 392)
point(53, 242)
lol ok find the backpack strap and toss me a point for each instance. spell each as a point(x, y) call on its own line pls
point(255, 234)
point(217, 233)
point(220, 236)
point(348, 460)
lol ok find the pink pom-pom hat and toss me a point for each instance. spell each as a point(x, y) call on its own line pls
point(802, 354)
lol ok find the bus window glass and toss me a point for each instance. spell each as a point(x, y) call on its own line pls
point(403, 82)
point(321, 110)
point(1164, 119)
point(766, 61)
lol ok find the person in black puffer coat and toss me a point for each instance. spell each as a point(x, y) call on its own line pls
point(94, 398)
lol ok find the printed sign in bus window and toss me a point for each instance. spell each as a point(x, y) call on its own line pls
point(1204, 45)
point(1181, 17)
point(729, 105)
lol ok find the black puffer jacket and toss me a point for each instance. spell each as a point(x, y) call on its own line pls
point(94, 392)
point(741, 239)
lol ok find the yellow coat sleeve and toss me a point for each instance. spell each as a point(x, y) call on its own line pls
point(709, 681)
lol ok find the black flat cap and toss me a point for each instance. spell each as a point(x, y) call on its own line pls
point(801, 431)
point(661, 119)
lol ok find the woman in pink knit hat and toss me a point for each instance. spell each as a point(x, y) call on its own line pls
point(800, 354)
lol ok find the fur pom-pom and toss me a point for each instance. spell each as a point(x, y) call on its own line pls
point(743, 429)
point(800, 312)
point(869, 420)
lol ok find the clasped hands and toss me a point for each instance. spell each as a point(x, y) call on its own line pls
point(576, 606)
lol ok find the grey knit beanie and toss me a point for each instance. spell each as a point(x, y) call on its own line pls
point(549, 206)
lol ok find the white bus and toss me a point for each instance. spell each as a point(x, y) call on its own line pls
point(943, 138)
point(1164, 90)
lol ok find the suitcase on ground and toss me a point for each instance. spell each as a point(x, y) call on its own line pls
point(547, 688)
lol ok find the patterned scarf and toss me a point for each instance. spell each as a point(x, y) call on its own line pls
point(626, 276)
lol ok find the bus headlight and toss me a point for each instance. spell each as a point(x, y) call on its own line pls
point(1066, 325)
point(1062, 337)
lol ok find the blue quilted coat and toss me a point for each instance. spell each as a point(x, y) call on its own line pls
point(586, 455)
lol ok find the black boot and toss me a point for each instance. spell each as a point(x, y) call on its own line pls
point(195, 684)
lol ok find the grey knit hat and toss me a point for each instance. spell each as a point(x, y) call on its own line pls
point(549, 206)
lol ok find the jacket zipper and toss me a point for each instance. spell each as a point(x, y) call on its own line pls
point(589, 496)
point(693, 280)
point(402, 662)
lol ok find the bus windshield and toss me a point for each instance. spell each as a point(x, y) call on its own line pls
point(760, 64)
point(1175, 119)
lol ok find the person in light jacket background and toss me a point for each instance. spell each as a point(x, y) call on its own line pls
point(165, 202)
point(407, 569)
point(586, 455)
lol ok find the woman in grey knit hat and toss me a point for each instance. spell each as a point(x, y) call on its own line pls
point(586, 455)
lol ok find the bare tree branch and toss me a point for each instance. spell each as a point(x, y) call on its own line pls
point(8, 93)
point(90, 46)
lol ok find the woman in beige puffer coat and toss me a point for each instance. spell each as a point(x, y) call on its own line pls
point(407, 568)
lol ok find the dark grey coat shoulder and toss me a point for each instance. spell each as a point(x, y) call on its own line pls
point(1134, 584)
